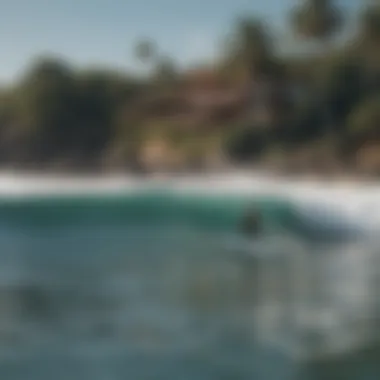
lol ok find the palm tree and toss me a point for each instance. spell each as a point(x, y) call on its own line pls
point(370, 24)
point(317, 20)
point(249, 46)
point(250, 55)
point(145, 51)
point(368, 42)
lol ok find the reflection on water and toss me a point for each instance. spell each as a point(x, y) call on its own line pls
point(116, 302)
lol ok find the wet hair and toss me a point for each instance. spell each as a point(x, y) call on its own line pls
point(251, 223)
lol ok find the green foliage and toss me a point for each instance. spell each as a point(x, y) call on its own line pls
point(364, 118)
point(61, 112)
point(55, 112)
point(249, 47)
point(370, 24)
point(145, 50)
point(316, 19)
point(44, 102)
point(246, 144)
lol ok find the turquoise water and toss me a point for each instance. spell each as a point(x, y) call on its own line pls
point(141, 286)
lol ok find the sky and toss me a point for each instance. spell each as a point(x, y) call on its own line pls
point(102, 32)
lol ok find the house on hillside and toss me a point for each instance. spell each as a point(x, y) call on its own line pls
point(204, 99)
point(210, 98)
point(200, 99)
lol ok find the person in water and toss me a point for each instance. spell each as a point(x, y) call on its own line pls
point(249, 227)
point(252, 224)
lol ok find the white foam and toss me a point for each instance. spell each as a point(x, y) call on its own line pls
point(356, 201)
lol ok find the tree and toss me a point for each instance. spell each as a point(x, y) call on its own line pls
point(370, 24)
point(363, 142)
point(369, 41)
point(45, 101)
point(316, 20)
point(249, 47)
point(364, 118)
point(246, 144)
point(58, 114)
point(146, 52)
point(100, 96)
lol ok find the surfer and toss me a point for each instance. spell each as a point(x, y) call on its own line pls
point(251, 224)
point(250, 227)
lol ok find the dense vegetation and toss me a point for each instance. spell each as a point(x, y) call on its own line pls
point(296, 112)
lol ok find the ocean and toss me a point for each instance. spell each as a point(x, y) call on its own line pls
point(120, 279)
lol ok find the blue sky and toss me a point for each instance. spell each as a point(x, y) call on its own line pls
point(102, 32)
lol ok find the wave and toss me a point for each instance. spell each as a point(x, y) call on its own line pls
point(338, 209)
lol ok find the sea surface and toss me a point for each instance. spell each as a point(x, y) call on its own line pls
point(118, 279)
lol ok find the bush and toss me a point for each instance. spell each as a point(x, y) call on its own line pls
point(246, 144)
point(364, 119)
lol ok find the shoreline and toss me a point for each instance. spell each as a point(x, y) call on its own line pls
point(255, 174)
point(345, 193)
